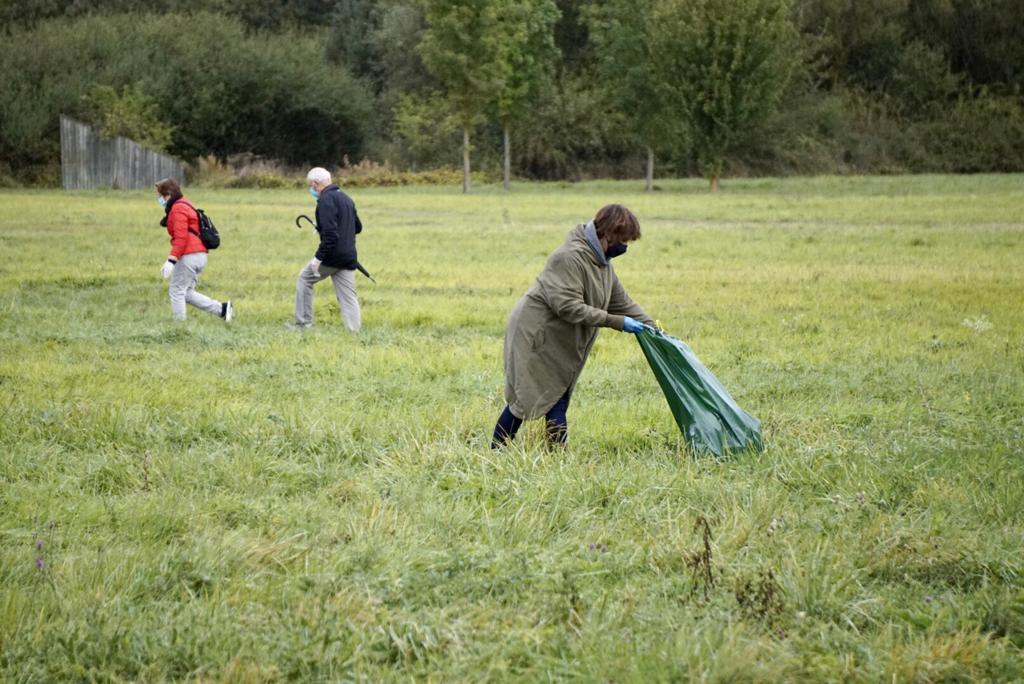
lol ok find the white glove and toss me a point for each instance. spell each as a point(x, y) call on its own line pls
point(167, 268)
point(315, 263)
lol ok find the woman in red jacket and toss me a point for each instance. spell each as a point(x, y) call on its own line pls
point(188, 254)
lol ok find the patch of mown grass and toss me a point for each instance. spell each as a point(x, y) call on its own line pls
point(244, 503)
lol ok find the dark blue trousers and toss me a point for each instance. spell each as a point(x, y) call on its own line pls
point(557, 425)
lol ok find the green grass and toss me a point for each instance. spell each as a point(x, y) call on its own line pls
point(244, 503)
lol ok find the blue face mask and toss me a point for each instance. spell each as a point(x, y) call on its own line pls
point(314, 193)
point(162, 200)
point(618, 249)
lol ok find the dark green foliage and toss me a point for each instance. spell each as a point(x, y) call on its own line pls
point(400, 67)
point(521, 32)
point(351, 39)
point(572, 36)
point(264, 15)
point(575, 132)
point(922, 81)
point(130, 113)
point(456, 51)
point(722, 67)
point(524, 53)
point(256, 15)
point(621, 32)
point(426, 129)
point(983, 38)
point(858, 41)
point(272, 95)
point(875, 85)
point(976, 134)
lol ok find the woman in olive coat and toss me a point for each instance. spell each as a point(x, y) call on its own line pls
point(553, 326)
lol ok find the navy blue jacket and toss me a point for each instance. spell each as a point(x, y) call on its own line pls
point(338, 223)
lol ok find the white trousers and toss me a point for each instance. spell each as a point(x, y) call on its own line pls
point(182, 290)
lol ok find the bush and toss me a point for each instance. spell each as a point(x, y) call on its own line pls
point(249, 171)
point(273, 95)
point(7, 179)
point(983, 133)
point(806, 137)
point(130, 114)
point(368, 174)
point(210, 172)
point(425, 130)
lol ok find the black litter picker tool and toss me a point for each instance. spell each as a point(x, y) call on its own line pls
point(708, 416)
point(298, 224)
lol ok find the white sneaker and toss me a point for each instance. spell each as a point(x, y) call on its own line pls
point(229, 312)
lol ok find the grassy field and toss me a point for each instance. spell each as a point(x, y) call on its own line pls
point(211, 502)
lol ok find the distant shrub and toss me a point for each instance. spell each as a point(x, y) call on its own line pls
point(369, 173)
point(210, 172)
point(977, 134)
point(130, 114)
point(448, 175)
point(7, 179)
point(264, 180)
point(272, 94)
point(424, 130)
point(251, 171)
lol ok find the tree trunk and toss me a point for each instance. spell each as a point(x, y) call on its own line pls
point(649, 178)
point(508, 160)
point(714, 182)
point(465, 159)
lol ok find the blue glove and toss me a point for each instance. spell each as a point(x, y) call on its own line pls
point(631, 325)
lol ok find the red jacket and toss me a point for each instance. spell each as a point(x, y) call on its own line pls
point(182, 220)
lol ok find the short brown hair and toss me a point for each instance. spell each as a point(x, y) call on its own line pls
point(169, 187)
point(616, 223)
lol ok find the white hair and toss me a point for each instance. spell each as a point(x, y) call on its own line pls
point(318, 175)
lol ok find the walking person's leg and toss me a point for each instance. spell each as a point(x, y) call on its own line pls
point(181, 282)
point(556, 422)
point(506, 428)
point(195, 263)
point(345, 291)
point(308, 277)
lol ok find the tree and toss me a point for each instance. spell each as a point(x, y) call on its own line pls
point(402, 70)
point(522, 38)
point(423, 127)
point(723, 67)
point(455, 49)
point(272, 95)
point(620, 32)
point(982, 38)
point(350, 38)
point(857, 42)
point(130, 114)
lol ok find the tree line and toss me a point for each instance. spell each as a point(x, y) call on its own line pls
point(546, 89)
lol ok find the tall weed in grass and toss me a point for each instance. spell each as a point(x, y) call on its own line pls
point(243, 503)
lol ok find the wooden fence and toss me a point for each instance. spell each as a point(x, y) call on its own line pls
point(88, 161)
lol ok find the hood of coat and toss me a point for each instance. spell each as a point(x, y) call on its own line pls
point(586, 233)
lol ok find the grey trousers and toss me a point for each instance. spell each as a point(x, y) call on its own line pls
point(344, 290)
point(182, 290)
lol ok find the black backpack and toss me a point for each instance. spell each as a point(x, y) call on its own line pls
point(207, 232)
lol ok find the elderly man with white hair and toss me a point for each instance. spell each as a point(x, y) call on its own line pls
point(338, 224)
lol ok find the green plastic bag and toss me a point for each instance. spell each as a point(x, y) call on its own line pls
point(709, 418)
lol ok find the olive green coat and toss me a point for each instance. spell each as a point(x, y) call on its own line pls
point(554, 325)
